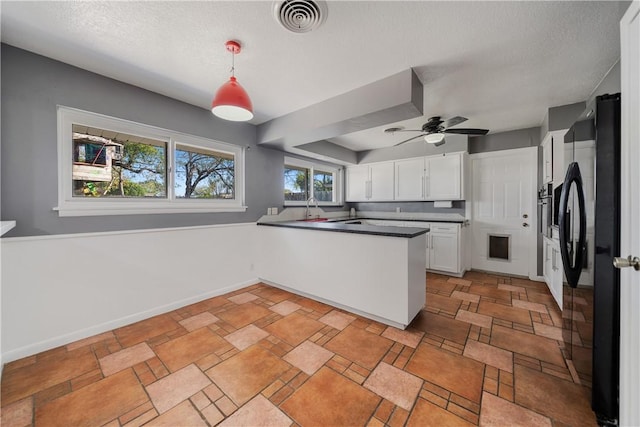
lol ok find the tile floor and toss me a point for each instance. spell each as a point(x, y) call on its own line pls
point(486, 350)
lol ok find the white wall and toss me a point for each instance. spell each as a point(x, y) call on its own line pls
point(58, 289)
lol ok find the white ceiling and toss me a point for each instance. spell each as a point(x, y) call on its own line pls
point(501, 64)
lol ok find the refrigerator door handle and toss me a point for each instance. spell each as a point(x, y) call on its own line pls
point(572, 264)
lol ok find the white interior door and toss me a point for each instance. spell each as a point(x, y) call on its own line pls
point(504, 215)
point(630, 218)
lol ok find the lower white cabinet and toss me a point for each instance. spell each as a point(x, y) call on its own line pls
point(444, 247)
point(443, 244)
point(553, 271)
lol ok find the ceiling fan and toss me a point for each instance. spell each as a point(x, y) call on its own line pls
point(433, 131)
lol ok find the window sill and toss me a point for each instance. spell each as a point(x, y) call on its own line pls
point(68, 211)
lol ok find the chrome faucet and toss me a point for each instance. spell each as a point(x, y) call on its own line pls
point(309, 200)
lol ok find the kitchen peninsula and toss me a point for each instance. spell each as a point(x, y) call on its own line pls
point(374, 271)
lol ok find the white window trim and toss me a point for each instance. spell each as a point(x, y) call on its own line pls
point(78, 206)
point(322, 167)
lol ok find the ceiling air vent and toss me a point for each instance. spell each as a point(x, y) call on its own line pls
point(300, 16)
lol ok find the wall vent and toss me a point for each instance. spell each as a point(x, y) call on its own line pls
point(300, 16)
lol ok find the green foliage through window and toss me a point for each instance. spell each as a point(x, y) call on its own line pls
point(203, 174)
point(115, 165)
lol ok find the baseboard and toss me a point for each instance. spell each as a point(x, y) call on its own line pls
point(337, 305)
point(54, 342)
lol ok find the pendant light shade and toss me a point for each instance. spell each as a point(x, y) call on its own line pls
point(231, 101)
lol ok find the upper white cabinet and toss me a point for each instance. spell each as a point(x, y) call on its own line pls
point(553, 157)
point(410, 179)
point(430, 178)
point(444, 177)
point(547, 160)
point(372, 182)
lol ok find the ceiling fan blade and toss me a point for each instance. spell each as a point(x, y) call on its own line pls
point(453, 121)
point(438, 144)
point(469, 131)
point(407, 140)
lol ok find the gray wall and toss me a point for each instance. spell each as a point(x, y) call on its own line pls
point(561, 117)
point(611, 83)
point(520, 138)
point(33, 85)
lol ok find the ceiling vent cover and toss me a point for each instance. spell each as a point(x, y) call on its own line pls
point(300, 16)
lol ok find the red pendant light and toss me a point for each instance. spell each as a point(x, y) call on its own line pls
point(231, 101)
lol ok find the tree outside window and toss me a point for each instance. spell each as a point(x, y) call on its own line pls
point(296, 183)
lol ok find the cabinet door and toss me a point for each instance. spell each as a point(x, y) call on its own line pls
point(444, 252)
point(556, 282)
point(548, 263)
point(381, 183)
point(357, 183)
point(428, 263)
point(410, 179)
point(444, 177)
point(547, 161)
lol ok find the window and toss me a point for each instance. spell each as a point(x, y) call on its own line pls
point(112, 166)
point(204, 174)
point(304, 179)
point(296, 184)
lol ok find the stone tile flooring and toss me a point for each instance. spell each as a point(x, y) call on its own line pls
point(486, 350)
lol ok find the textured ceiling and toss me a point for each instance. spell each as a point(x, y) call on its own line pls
point(501, 64)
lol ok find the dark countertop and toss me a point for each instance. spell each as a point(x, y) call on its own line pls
point(455, 221)
point(406, 232)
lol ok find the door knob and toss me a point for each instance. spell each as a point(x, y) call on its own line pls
point(619, 262)
point(524, 224)
point(525, 216)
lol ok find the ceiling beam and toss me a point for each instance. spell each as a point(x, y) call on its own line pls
point(392, 99)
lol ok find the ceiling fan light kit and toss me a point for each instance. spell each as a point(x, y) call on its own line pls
point(231, 101)
point(434, 138)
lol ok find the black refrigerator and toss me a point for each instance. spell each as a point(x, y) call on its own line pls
point(591, 312)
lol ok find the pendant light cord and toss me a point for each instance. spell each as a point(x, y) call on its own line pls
point(233, 64)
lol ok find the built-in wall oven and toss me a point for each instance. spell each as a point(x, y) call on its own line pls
point(548, 199)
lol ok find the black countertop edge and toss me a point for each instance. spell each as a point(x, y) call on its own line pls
point(455, 221)
point(388, 231)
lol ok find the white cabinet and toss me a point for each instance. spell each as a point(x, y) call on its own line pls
point(553, 157)
point(372, 182)
point(444, 247)
point(547, 161)
point(430, 178)
point(443, 244)
point(410, 179)
point(444, 177)
point(553, 272)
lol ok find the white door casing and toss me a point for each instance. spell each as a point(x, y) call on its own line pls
point(504, 193)
point(630, 217)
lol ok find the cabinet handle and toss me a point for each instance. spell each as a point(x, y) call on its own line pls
point(426, 186)
point(423, 195)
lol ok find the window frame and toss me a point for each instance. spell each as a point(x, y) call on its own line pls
point(337, 172)
point(68, 205)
